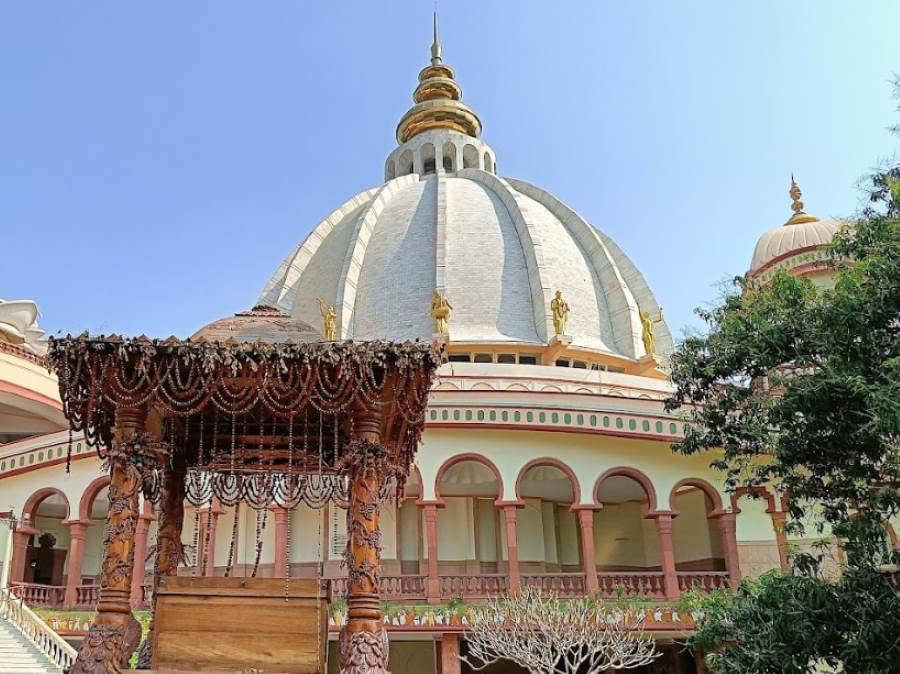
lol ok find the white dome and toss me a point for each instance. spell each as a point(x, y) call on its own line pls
point(792, 239)
point(498, 248)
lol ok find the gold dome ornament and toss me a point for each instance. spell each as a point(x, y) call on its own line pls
point(437, 99)
point(329, 320)
point(560, 309)
point(799, 215)
point(440, 312)
point(648, 329)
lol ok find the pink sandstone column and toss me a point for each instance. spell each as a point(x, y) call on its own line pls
point(77, 535)
point(698, 660)
point(586, 522)
point(140, 558)
point(778, 519)
point(512, 546)
point(667, 555)
point(281, 552)
point(449, 654)
point(727, 525)
point(21, 536)
point(433, 584)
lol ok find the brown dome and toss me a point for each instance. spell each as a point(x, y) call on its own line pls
point(261, 323)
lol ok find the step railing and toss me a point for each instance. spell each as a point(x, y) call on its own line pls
point(36, 631)
point(36, 594)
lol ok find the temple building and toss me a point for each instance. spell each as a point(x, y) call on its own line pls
point(546, 458)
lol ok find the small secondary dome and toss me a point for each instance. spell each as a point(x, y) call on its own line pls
point(796, 243)
point(261, 323)
point(19, 326)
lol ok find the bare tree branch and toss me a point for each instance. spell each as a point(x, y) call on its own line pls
point(545, 635)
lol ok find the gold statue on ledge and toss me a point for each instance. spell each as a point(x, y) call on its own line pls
point(440, 312)
point(560, 309)
point(648, 328)
point(329, 320)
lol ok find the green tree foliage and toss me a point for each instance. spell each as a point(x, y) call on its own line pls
point(784, 623)
point(797, 388)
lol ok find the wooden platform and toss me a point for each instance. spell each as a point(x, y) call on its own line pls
point(239, 626)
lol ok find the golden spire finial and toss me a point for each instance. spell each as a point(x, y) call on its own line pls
point(799, 215)
point(438, 104)
point(436, 43)
point(796, 204)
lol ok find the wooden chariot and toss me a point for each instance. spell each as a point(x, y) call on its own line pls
point(259, 425)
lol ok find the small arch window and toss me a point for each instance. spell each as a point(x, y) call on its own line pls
point(488, 163)
point(470, 157)
point(459, 358)
point(391, 170)
point(527, 359)
point(406, 163)
point(506, 358)
point(563, 362)
point(428, 158)
point(484, 358)
point(449, 156)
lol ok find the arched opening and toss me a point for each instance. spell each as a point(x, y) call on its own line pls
point(410, 537)
point(390, 170)
point(46, 555)
point(625, 540)
point(92, 511)
point(488, 163)
point(449, 156)
point(470, 157)
point(696, 536)
point(548, 532)
point(755, 533)
point(405, 163)
point(428, 159)
point(470, 537)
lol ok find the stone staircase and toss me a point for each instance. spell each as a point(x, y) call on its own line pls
point(19, 656)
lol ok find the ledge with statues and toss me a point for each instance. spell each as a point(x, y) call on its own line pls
point(453, 616)
point(456, 616)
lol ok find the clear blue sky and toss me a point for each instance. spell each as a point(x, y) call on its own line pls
point(159, 159)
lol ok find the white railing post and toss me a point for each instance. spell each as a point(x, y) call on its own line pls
point(35, 630)
point(7, 554)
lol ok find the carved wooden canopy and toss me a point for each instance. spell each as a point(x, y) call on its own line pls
point(247, 416)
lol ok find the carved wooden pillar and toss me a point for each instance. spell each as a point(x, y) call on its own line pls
point(115, 633)
point(363, 640)
point(586, 524)
point(168, 538)
point(667, 555)
point(281, 551)
point(77, 535)
point(728, 526)
point(510, 514)
point(140, 559)
point(171, 520)
point(778, 519)
point(433, 584)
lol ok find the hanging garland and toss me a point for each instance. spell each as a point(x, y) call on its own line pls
point(177, 378)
